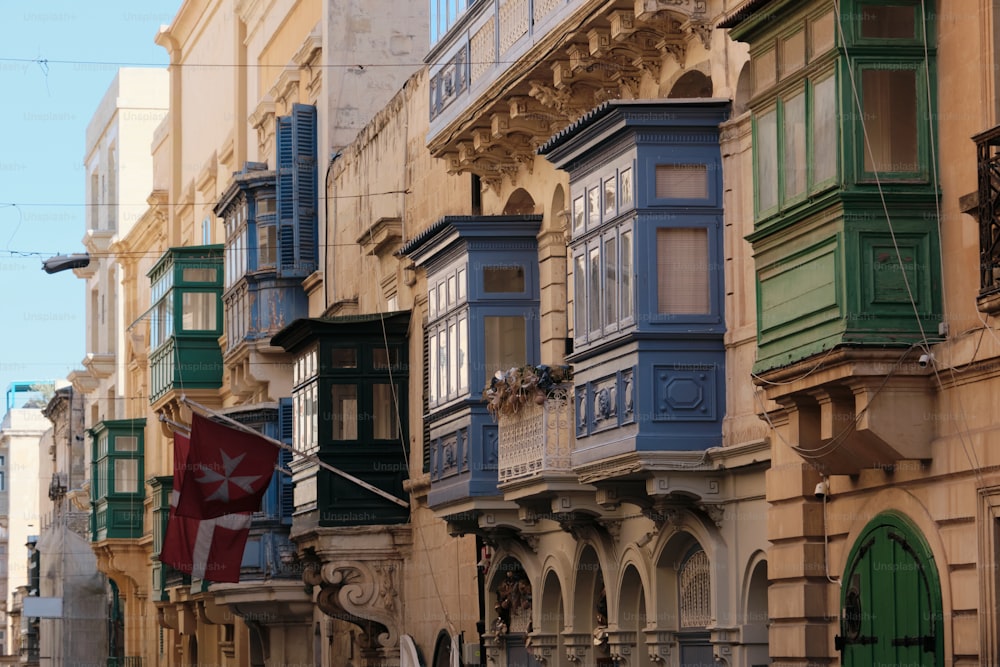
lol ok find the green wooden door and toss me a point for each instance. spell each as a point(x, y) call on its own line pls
point(890, 599)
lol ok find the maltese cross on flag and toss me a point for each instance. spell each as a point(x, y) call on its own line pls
point(226, 471)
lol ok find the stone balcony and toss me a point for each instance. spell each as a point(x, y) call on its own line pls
point(536, 447)
point(536, 440)
point(509, 74)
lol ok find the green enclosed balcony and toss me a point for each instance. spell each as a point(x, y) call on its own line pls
point(117, 492)
point(186, 321)
point(845, 239)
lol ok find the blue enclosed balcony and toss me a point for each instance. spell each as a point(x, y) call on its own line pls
point(483, 299)
point(647, 274)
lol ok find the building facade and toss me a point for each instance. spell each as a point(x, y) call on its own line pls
point(874, 202)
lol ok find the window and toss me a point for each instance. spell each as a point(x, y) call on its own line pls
point(887, 21)
point(795, 145)
point(889, 112)
point(609, 198)
point(505, 343)
point(681, 181)
point(578, 215)
point(344, 412)
point(503, 279)
point(603, 283)
point(126, 476)
point(199, 311)
point(626, 188)
point(695, 590)
point(384, 418)
point(267, 246)
point(682, 271)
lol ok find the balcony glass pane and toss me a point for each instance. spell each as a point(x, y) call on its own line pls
point(594, 296)
point(794, 127)
point(766, 153)
point(126, 443)
point(463, 355)
point(384, 418)
point(199, 311)
point(578, 214)
point(344, 412)
point(580, 296)
point(626, 188)
point(682, 271)
point(453, 358)
point(432, 369)
point(594, 206)
point(626, 274)
point(609, 198)
point(506, 343)
point(193, 275)
point(384, 358)
point(610, 280)
point(344, 357)
point(889, 101)
point(503, 279)
point(824, 149)
point(126, 476)
point(887, 22)
point(267, 245)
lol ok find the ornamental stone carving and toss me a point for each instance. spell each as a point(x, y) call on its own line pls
point(364, 593)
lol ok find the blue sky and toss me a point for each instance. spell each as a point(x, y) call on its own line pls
point(44, 113)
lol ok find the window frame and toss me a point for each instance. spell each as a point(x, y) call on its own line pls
point(597, 242)
point(805, 86)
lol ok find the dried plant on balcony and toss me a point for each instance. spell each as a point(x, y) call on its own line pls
point(509, 390)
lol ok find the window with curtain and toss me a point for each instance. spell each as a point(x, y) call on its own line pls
point(682, 271)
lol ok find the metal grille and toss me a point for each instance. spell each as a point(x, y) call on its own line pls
point(696, 591)
point(537, 438)
point(988, 149)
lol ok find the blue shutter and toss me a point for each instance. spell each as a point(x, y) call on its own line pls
point(287, 499)
point(297, 192)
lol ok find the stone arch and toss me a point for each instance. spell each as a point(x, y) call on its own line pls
point(891, 586)
point(754, 611)
point(632, 615)
point(742, 96)
point(693, 83)
point(558, 218)
point(509, 601)
point(520, 202)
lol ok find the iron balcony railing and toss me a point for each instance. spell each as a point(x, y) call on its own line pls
point(538, 438)
point(988, 153)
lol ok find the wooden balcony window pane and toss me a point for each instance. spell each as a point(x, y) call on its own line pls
point(889, 100)
point(794, 127)
point(384, 422)
point(344, 412)
point(682, 271)
point(887, 22)
point(506, 344)
point(824, 130)
point(766, 148)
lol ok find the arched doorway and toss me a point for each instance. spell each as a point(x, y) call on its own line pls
point(890, 601)
point(512, 612)
point(684, 595)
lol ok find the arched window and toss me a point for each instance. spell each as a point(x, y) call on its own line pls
point(695, 590)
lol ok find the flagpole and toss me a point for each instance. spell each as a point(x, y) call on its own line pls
point(309, 457)
point(176, 425)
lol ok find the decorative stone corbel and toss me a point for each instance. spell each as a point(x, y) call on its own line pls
point(715, 511)
point(364, 593)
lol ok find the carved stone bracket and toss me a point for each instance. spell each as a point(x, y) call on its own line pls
point(620, 643)
point(543, 646)
point(716, 512)
point(659, 644)
point(365, 593)
point(700, 29)
point(578, 646)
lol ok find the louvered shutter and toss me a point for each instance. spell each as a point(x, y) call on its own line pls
point(286, 488)
point(297, 192)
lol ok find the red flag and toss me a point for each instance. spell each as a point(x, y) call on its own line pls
point(205, 548)
point(227, 471)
